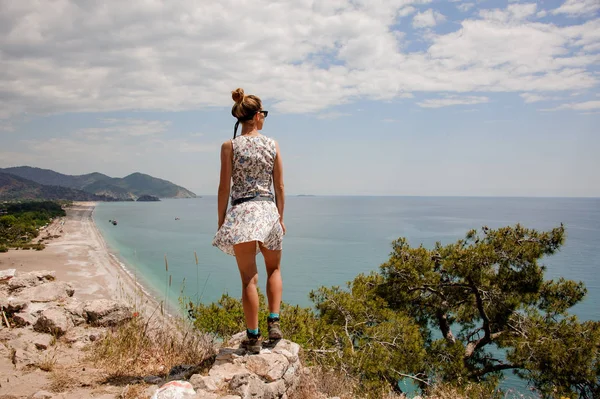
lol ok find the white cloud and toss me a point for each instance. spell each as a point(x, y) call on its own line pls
point(514, 13)
point(534, 98)
point(453, 100)
point(584, 106)
point(332, 115)
point(578, 7)
point(428, 19)
point(464, 7)
point(69, 56)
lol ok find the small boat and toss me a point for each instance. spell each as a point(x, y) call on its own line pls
point(114, 222)
point(176, 218)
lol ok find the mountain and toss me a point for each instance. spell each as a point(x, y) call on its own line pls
point(52, 178)
point(127, 188)
point(14, 187)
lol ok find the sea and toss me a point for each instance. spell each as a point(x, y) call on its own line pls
point(331, 239)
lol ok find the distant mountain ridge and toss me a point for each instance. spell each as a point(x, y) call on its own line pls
point(14, 187)
point(127, 188)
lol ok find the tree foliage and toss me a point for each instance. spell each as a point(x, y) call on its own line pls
point(460, 313)
point(22, 220)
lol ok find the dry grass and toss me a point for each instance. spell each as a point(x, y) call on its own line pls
point(146, 346)
point(48, 362)
point(320, 383)
point(137, 391)
point(61, 380)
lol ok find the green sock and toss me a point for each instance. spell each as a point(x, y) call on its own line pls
point(253, 331)
point(273, 315)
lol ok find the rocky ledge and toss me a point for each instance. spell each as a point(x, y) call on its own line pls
point(36, 310)
point(272, 374)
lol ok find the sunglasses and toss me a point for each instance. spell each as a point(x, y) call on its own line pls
point(265, 113)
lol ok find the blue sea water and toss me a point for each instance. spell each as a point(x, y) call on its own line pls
point(332, 239)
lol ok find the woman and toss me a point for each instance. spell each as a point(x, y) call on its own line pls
point(254, 222)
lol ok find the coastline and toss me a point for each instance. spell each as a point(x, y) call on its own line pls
point(81, 256)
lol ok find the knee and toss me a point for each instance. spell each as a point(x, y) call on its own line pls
point(249, 280)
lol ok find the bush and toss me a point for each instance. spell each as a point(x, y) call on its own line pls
point(3, 248)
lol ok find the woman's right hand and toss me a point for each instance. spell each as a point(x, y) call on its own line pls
point(282, 226)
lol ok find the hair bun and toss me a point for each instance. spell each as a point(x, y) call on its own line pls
point(238, 95)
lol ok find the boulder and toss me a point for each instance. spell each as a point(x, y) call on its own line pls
point(42, 395)
point(200, 394)
point(270, 366)
point(175, 390)
point(12, 304)
point(43, 341)
point(22, 280)
point(247, 386)
point(203, 382)
point(31, 279)
point(23, 319)
point(75, 308)
point(105, 312)
point(271, 374)
point(6, 275)
point(54, 291)
point(54, 321)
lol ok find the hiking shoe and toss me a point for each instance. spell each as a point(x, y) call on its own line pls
point(252, 343)
point(274, 329)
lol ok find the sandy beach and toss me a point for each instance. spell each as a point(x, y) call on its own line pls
point(80, 256)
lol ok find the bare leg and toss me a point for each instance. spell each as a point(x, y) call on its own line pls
point(245, 255)
point(274, 284)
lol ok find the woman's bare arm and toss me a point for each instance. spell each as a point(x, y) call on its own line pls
point(225, 180)
point(278, 185)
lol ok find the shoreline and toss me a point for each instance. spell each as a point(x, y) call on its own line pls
point(131, 272)
point(81, 256)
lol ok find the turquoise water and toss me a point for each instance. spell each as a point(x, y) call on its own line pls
point(332, 239)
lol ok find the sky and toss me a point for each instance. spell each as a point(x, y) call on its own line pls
point(377, 97)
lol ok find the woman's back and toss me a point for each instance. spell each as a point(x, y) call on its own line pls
point(253, 163)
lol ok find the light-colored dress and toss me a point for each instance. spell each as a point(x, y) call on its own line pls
point(252, 175)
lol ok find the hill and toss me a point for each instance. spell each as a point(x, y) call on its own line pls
point(127, 188)
point(14, 187)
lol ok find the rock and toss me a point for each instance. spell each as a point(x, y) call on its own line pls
point(75, 307)
point(45, 275)
point(151, 390)
point(54, 321)
point(183, 372)
point(42, 395)
point(207, 395)
point(153, 379)
point(203, 382)
point(23, 319)
point(270, 366)
point(22, 281)
point(175, 390)
point(6, 275)
point(224, 372)
point(104, 312)
point(24, 358)
point(43, 341)
point(12, 304)
point(32, 279)
point(274, 390)
point(81, 335)
point(247, 386)
point(54, 291)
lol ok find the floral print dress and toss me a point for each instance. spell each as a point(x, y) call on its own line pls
point(252, 175)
